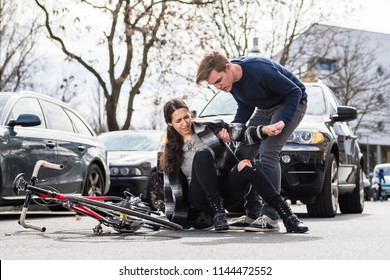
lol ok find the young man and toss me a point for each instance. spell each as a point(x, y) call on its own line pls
point(266, 93)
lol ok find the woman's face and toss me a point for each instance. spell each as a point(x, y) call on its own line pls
point(182, 122)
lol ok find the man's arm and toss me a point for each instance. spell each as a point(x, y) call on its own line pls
point(243, 113)
point(283, 84)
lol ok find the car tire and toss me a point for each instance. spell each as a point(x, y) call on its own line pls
point(94, 184)
point(325, 205)
point(354, 202)
point(155, 194)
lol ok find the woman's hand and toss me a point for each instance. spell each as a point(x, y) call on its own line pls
point(273, 129)
point(224, 135)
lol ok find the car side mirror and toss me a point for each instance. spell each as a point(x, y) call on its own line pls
point(345, 114)
point(25, 120)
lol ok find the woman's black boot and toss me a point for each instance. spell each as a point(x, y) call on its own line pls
point(290, 220)
point(220, 219)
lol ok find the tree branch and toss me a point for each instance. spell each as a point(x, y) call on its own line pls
point(70, 54)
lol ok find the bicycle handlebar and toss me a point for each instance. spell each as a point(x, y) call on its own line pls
point(22, 221)
point(47, 164)
point(38, 165)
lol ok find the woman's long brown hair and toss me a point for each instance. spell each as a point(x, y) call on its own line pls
point(172, 158)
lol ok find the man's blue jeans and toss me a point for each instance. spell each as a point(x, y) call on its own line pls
point(268, 151)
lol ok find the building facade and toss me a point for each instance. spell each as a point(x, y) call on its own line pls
point(356, 65)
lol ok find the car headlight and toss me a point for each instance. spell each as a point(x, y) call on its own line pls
point(114, 171)
point(306, 136)
point(125, 171)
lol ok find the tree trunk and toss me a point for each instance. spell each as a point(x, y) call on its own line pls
point(111, 108)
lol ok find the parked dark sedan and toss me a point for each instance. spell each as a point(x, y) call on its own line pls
point(37, 127)
point(132, 156)
point(321, 162)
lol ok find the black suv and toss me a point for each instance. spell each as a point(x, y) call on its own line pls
point(321, 162)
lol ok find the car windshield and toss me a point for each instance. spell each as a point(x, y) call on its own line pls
point(386, 170)
point(132, 141)
point(224, 104)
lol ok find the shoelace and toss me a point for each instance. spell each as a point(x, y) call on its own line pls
point(294, 220)
point(261, 222)
point(219, 216)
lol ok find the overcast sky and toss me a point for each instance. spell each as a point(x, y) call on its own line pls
point(374, 15)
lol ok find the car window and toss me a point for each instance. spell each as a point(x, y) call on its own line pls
point(316, 101)
point(56, 117)
point(131, 141)
point(333, 102)
point(27, 105)
point(79, 124)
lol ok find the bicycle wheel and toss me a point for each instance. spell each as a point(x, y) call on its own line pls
point(104, 205)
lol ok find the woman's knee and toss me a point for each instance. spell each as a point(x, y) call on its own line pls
point(246, 162)
point(203, 155)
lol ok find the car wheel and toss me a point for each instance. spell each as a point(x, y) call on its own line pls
point(326, 203)
point(354, 202)
point(94, 184)
point(156, 192)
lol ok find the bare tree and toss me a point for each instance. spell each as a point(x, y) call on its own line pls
point(272, 25)
point(360, 80)
point(230, 25)
point(97, 106)
point(130, 37)
point(289, 20)
point(17, 41)
point(346, 60)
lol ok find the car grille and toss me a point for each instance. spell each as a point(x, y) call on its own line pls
point(305, 173)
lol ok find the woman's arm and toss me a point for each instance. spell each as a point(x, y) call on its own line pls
point(242, 133)
point(236, 131)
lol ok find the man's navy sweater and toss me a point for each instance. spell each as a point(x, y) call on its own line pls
point(265, 84)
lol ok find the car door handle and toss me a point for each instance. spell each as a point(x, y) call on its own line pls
point(81, 148)
point(50, 145)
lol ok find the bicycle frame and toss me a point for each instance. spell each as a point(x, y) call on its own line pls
point(74, 203)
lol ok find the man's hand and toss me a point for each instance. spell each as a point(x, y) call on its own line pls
point(273, 129)
point(224, 135)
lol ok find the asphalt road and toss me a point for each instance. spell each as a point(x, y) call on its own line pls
point(346, 237)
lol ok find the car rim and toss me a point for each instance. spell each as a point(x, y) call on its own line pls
point(334, 185)
point(361, 187)
point(94, 184)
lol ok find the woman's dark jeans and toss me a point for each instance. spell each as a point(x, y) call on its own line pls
point(207, 185)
